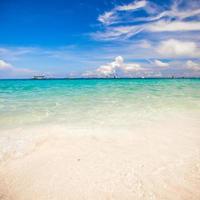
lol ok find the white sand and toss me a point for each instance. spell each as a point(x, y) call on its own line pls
point(158, 163)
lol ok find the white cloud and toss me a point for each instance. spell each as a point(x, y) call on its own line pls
point(132, 6)
point(173, 12)
point(184, 14)
point(10, 71)
point(132, 67)
point(106, 70)
point(159, 63)
point(193, 65)
point(177, 48)
point(110, 69)
point(5, 65)
point(119, 32)
point(127, 31)
point(121, 23)
point(167, 26)
point(107, 18)
point(111, 17)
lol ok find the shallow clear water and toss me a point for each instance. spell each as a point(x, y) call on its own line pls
point(33, 111)
point(96, 102)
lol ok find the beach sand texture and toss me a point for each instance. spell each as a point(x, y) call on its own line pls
point(152, 164)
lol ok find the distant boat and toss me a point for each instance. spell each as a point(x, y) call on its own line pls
point(39, 77)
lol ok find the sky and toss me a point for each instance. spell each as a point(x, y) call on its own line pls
point(99, 38)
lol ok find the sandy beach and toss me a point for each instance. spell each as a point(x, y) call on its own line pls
point(153, 164)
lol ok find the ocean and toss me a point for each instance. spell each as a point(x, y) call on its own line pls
point(96, 102)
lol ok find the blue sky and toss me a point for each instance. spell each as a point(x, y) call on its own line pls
point(99, 38)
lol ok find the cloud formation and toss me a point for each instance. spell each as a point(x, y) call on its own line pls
point(112, 17)
point(132, 6)
point(176, 48)
point(8, 70)
point(113, 68)
point(5, 65)
point(122, 22)
point(167, 26)
point(191, 65)
point(160, 63)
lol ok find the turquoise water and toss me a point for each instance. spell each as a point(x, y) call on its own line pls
point(96, 102)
